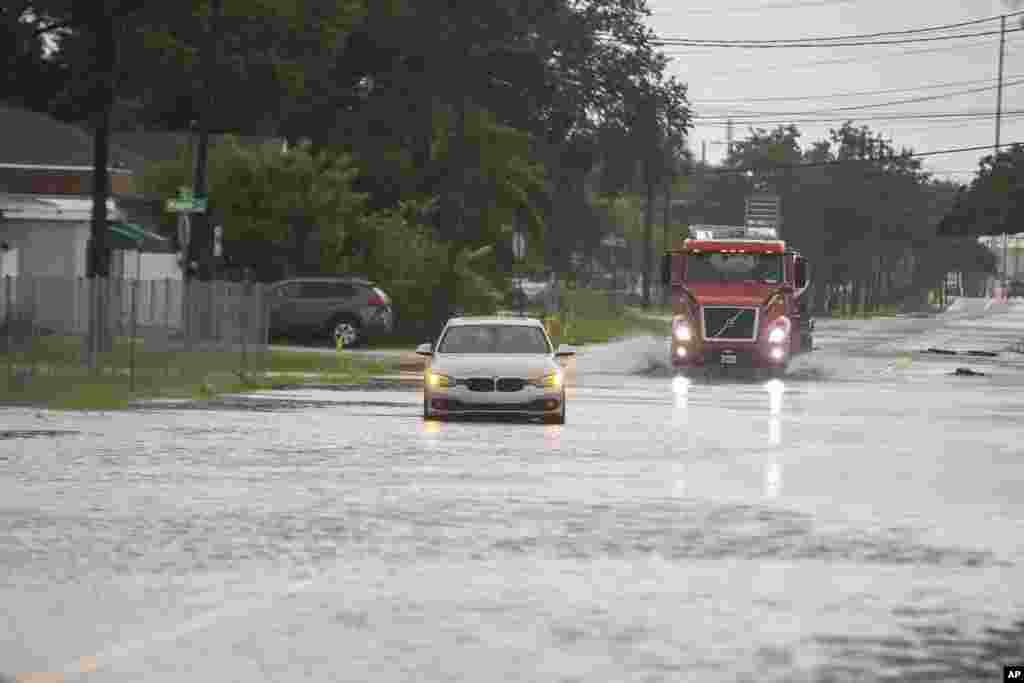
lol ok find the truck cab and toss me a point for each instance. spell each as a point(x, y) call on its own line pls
point(738, 299)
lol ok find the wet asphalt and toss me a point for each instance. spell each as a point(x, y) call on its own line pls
point(861, 520)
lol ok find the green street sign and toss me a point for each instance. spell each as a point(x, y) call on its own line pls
point(195, 205)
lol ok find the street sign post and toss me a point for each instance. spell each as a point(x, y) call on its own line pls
point(186, 202)
point(519, 252)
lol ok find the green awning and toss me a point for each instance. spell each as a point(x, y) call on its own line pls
point(128, 231)
point(129, 236)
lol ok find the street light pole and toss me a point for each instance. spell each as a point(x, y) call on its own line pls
point(999, 123)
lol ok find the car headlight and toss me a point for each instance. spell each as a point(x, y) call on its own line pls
point(552, 381)
point(440, 381)
point(681, 330)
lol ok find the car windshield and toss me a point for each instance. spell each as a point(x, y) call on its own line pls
point(494, 339)
point(721, 267)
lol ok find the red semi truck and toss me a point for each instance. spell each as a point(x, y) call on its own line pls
point(738, 300)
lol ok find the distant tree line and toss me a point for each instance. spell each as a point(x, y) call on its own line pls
point(864, 212)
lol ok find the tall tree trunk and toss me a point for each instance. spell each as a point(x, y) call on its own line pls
point(648, 233)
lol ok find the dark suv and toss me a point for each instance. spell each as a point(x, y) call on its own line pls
point(345, 310)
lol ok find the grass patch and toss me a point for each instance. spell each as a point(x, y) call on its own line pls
point(850, 313)
point(52, 374)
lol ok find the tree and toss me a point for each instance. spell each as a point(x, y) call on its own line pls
point(29, 77)
point(990, 205)
point(261, 191)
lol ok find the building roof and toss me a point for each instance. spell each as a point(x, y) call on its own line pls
point(34, 139)
point(51, 208)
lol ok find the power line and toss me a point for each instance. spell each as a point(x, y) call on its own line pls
point(758, 8)
point(883, 91)
point(756, 45)
point(856, 36)
point(855, 162)
point(912, 100)
point(891, 117)
point(761, 68)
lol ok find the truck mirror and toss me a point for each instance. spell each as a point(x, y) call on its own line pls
point(800, 274)
point(666, 269)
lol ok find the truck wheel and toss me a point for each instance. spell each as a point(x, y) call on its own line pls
point(347, 331)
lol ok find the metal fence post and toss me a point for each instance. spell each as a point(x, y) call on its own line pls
point(9, 297)
point(34, 324)
point(243, 321)
point(134, 328)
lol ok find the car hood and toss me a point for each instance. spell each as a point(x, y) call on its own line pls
point(493, 365)
point(731, 293)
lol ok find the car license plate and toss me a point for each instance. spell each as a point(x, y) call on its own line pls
point(728, 358)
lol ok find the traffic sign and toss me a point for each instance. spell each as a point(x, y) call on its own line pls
point(196, 205)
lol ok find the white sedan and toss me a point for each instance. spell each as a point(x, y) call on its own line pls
point(494, 366)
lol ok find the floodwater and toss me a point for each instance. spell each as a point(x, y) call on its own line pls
point(860, 520)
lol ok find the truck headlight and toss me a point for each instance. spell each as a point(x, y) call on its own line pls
point(779, 330)
point(440, 381)
point(681, 330)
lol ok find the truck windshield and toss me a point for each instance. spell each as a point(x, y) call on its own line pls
point(720, 267)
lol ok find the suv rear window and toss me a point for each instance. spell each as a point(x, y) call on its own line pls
point(327, 290)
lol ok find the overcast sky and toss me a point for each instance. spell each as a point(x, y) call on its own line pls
point(723, 81)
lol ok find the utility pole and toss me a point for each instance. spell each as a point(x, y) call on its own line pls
point(999, 121)
point(201, 239)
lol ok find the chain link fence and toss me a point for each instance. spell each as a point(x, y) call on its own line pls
point(145, 331)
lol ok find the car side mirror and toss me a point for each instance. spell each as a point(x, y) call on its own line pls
point(425, 350)
point(564, 350)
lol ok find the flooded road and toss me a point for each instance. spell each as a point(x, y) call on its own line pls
point(860, 521)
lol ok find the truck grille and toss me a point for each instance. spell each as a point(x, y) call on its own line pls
point(480, 384)
point(730, 322)
point(511, 384)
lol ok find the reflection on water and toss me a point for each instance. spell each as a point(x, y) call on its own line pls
point(431, 433)
point(553, 436)
point(681, 394)
point(775, 430)
point(775, 389)
point(772, 480)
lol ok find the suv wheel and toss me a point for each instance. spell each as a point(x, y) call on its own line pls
point(345, 332)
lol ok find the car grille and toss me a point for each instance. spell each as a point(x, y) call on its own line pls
point(511, 384)
point(730, 322)
point(480, 384)
point(536, 405)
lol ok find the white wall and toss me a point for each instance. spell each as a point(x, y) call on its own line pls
point(48, 248)
point(154, 266)
point(9, 263)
